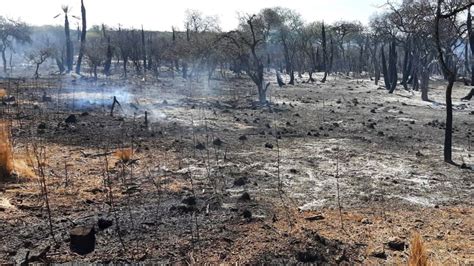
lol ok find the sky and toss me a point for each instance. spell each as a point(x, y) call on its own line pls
point(162, 15)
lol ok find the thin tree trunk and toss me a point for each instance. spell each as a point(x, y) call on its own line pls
point(292, 77)
point(406, 64)
point(4, 59)
point(144, 52)
point(69, 52)
point(325, 54)
point(36, 70)
point(83, 38)
point(60, 64)
point(471, 43)
point(125, 66)
point(392, 67)
point(448, 135)
point(425, 78)
point(386, 77)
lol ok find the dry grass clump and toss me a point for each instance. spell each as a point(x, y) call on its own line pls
point(6, 152)
point(23, 169)
point(124, 154)
point(418, 254)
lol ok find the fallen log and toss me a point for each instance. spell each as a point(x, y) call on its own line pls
point(469, 96)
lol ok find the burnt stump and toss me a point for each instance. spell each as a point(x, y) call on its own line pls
point(82, 239)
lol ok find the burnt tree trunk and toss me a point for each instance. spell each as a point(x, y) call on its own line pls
point(144, 52)
point(376, 65)
point(69, 52)
point(60, 64)
point(83, 38)
point(407, 61)
point(82, 240)
point(279, 80)
point(36, 70)
point(125, 60)
point(425, 78)
point(109, 54)
point(471, 43)
point(413, 80)
point(292, 77)
point(386, 77)
point(448, 136)
point(325, 54)
point(392, 66)
point(450, 73)
point(331, 58)
point(4, 59)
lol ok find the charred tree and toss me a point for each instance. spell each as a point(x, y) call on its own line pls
point(143, 51)
point(471, 43)
point(69, 48)
point(279, 80)
point(424, 82)
point(60, 63)
point(109, 52)
point(257, 66)
point(150, 62)
point(288, 60)
point(392, 67)
point(248, 46)
point(184, 67)
point(325, 54)
point(83, 38)
point(375, 62)
point(450, 73)
point(124, 49)
point(384, 69)
point(407, 64)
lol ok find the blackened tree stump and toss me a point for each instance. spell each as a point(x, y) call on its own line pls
point(82, 240)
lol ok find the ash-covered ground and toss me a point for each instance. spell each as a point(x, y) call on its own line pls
point(327, 173)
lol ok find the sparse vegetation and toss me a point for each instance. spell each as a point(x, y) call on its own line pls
point(418, 253)
point(285, 139)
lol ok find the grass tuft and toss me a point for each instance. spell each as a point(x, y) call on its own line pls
point(124, 155)
point(418, 254)
point(6, 153)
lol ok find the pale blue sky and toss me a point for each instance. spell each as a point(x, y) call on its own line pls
point(161, 15)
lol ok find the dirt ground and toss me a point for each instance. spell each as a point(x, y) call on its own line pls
point(332, 173)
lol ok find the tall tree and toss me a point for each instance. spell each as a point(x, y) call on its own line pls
point(471, 42)
point(386, 76)
point(325, 53)
point(449, 71)
point(143, 51)
point(247, 43)
point(109, 52)
point(83, 38)
point(67, 32)
point(392, 66)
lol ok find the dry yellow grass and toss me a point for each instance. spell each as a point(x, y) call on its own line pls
point(22, 168)
point(6, 154)
point(418, 255)
point(124, 155)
